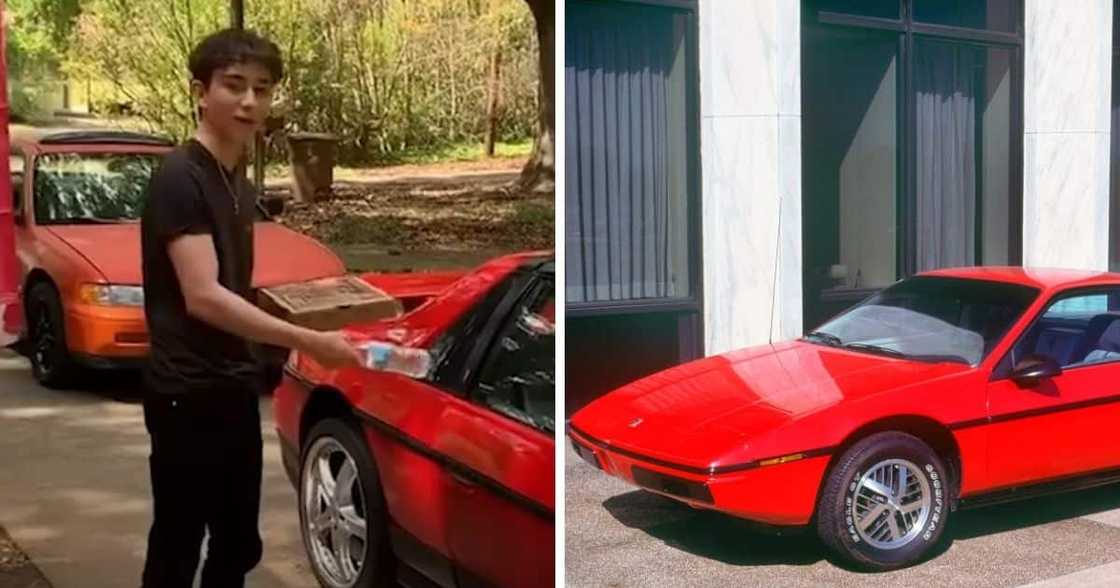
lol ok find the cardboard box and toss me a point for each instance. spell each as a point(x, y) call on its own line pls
point(328, 304)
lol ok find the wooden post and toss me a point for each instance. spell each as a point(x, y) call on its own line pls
point(237, 21)
point(237, 14)
point(492, 103)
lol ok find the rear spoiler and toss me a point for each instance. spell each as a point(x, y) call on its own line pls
point(412, 289)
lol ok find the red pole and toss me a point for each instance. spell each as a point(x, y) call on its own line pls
point(11, 310)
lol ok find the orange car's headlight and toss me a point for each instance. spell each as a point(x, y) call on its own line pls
point(111, 295)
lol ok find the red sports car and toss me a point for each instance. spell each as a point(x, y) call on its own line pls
point(435, 464)
point(963, 386)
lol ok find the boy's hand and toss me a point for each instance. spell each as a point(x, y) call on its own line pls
point(332, 350)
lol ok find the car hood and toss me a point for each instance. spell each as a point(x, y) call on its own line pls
point(282, 255)
point(696, 413)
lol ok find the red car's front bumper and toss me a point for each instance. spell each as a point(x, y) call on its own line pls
point(777, 494)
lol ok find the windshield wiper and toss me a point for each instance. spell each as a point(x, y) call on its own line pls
point(826, 338)
point(875, 349)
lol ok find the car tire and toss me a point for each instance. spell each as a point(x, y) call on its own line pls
point(877, 517)
point(330, 443)
point(51, 363)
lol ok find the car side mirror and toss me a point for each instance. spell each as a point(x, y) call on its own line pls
point(1034, 368)
point(273, 205)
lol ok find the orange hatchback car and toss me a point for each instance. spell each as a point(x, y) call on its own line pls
point(77, 198)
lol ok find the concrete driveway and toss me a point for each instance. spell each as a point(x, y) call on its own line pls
point(74, 487)
point(619, 536)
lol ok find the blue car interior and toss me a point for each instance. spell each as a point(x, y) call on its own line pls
point(1074, 340)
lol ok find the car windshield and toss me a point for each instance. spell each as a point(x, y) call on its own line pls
point(930, 318)
point(88, 188)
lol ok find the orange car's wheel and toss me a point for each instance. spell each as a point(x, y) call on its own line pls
point(342, 511)
point(51, 363)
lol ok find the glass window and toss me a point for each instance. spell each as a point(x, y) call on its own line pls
point(850, 158)
point(930, 319)
point(914, 165)
point(627, 137)
point(992, 15)
point(1078, 306)
point(518, 377)
point(963, 139)
point(1075, 330)
point(73, 188)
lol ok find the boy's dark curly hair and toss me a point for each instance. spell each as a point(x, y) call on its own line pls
point(234, 46)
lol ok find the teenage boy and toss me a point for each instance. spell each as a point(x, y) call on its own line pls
point(203, 380)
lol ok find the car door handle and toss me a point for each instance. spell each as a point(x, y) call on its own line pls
point(461, 479)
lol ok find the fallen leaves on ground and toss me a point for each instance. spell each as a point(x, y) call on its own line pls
point(446, 212)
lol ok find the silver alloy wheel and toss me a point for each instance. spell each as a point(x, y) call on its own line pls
point(334, 513)
point(892, 504)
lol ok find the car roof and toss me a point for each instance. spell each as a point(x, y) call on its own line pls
point(87, 136)
point(1043, 278)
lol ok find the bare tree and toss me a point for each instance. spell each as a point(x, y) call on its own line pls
point(539, 174)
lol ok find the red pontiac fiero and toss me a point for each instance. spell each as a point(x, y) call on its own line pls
point(964, 386)
point(434, 465)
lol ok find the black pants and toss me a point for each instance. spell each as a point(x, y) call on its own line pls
point(206, 476)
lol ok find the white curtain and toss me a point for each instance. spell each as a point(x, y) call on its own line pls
point(945, 81)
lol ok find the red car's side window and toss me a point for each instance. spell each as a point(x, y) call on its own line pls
point(518, 375)
point(1076, 329)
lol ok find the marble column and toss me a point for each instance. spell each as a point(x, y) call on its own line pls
point(1067, 85)
point(750, 108)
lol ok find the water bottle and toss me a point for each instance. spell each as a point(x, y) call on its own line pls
point(386, 357)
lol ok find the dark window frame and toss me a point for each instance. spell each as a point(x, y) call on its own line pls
point(18, 199)
point(694, 302)
point(908, 31)
point(1114, 157)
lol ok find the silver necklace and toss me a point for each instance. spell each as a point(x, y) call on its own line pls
point(225, 180)
point(232, 194)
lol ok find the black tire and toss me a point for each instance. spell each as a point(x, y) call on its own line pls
point(842, 495)
point(51, 363)
point(379, 567)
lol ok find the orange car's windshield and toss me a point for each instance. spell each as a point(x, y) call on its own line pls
point(90, 188)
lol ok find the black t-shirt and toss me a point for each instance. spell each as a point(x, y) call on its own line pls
point(188, 195)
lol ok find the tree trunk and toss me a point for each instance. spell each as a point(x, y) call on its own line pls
point(539, 173)
point(492, 103)
point(237, 14)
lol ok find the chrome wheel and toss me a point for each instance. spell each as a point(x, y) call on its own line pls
point(892, 503)
point(334, 513)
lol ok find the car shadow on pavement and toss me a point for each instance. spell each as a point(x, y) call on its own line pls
point(734, 541)
point(118, 385)
point(969, 523)
point(711, 534)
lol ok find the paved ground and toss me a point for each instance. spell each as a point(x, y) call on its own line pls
point(74, 488)
point(618, 536)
